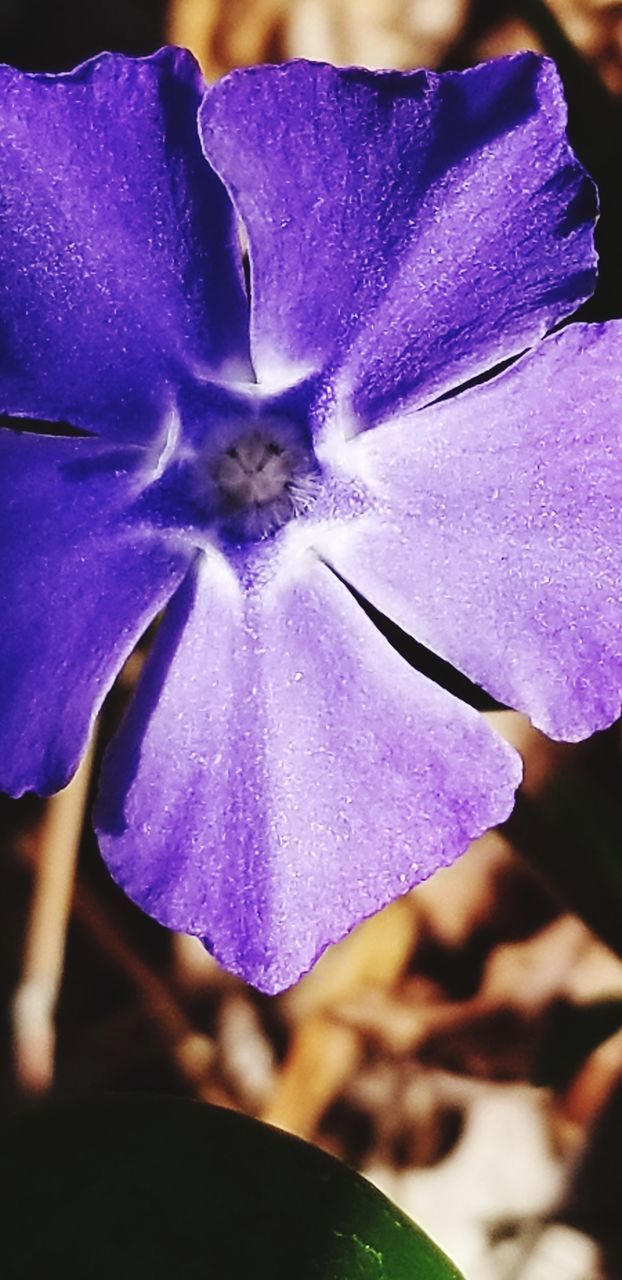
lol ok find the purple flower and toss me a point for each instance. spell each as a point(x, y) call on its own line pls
point(282, 771)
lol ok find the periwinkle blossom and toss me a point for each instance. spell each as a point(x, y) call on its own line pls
point(267, 465)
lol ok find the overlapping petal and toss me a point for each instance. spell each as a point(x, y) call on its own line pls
point(80, 579)
point(283, 772)
point(118, 262)
point(407, 231)
point(498, 537)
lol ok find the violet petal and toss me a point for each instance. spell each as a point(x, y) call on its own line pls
point(500, 546)
point(80, 581)
point(118, 257)
point(283, 773)
point(407, 231)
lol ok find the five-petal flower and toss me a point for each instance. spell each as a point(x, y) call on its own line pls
point(282, 771)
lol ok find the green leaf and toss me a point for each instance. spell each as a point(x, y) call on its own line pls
point(136, 1187)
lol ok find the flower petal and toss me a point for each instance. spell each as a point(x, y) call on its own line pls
point(500, 546)
point(411, 229)
point(284, 773)
point(117, 265)
point(79, 583)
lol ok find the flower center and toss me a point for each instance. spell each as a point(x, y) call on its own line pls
point(253, 472)
point(264, 476)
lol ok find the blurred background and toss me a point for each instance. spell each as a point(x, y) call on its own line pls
point(464, 1048)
